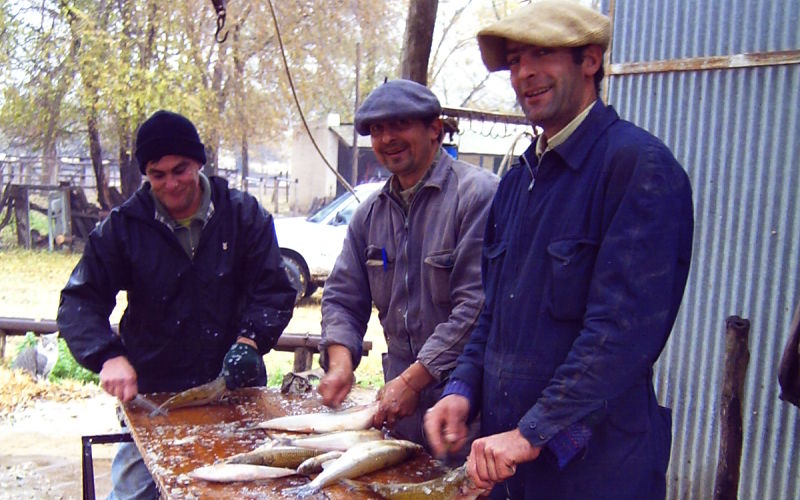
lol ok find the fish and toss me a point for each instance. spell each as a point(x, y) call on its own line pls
point(206, 394)
point(228, 473)
point(353, 419)
point(455, 484)
point(315, 465)
point(361, 459)
point(275, 456)
point(335, 441)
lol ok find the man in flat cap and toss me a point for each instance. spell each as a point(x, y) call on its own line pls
point(585, 261)
point(207, 295)
point(412, 249)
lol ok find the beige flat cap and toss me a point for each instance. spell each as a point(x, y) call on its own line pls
point(546, 23)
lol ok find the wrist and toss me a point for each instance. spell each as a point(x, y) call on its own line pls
point(405, 378)
point(247, 341)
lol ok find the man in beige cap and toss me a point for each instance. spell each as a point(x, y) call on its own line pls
point(585, 260)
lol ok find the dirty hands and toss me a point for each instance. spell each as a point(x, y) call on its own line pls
point(339, 378)
point(446, 425)
point(400, 396)
point(118, 378)
point(242, 365)
point(494, 459)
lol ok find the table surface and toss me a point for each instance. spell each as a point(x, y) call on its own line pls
point(187, 438)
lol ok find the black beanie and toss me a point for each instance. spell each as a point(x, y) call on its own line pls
point(168, 133)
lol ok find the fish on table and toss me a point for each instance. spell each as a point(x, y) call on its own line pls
point(205, 394)
point(361, 459)
point(334, 441)
point(314, 465)
point(229, 473)
point(356, 418)
point(275, 456)
point(455, 484)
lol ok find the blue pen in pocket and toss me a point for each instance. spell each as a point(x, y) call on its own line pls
point(385, 260)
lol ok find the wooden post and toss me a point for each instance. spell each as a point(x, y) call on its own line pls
point(302, 359)
point(737, 356)
point(275, 195)
point(22, 215)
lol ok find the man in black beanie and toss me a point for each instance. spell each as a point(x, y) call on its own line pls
point(207, 295)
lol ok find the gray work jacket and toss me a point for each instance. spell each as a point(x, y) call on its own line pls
point(421, 270)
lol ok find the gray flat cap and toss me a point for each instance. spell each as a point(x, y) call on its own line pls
point(546, 23)
point(397, 100)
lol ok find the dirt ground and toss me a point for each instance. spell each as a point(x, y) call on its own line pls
point(40, 447)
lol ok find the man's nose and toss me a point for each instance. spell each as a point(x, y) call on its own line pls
point(527, 67)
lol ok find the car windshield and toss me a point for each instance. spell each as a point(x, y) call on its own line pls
point(321, 214)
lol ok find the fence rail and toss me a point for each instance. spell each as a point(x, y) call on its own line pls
point(303, 345)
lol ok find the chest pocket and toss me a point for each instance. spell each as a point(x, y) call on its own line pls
point(439, 265)
point(572, 263)
point(493, 256)
point(380, 271)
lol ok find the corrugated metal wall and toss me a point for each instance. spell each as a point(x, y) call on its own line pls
point(736, 133)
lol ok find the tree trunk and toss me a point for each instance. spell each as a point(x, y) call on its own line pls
point(130, 178)
point(418, 39)
point(245, 162)
point(96, 154)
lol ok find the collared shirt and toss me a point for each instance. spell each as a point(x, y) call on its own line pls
point(404, 196)
point(544, 144)
point(421, 269)
point(188, 230)
point(583, 276)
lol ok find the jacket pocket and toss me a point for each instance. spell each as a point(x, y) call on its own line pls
point(493, 256)
point(380, 271)
point(439, 266)
point(572, 264)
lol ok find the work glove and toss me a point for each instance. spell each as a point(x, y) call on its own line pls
point(243, 366)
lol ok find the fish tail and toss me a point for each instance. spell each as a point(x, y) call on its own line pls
point(301, 491)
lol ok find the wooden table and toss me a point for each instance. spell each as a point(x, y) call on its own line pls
point(187, 438)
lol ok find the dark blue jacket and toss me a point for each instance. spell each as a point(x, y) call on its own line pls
point(183, 313)
point(583, 275)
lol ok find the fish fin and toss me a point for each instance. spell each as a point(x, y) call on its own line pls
point(353, 485)
point(302, 491)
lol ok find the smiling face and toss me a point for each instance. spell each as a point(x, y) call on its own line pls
point(175, 181)
point(406, 147)
point(551, 86)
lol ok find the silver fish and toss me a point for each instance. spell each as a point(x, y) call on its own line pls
point(275, 456)
point(361, 459)
point(205, 394)
point(454, 484)
point(314, 465)
point(228, 473)
point(336, 441)
point(354, 419)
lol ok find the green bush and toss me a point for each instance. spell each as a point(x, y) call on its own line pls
point(67, 368)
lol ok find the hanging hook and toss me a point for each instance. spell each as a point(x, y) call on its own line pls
point(219, 6)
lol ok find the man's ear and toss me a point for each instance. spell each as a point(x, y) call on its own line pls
point(436, 128)
point(592, 60)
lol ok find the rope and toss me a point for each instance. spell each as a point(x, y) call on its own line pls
point(300, 109)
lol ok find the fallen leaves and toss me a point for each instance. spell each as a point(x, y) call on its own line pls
point(19, 390)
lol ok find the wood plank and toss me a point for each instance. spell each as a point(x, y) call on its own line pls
point(187, 438)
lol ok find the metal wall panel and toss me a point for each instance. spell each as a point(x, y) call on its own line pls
point(736, 133)
point(655, 30)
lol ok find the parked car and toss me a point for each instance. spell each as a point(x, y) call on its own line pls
point(310, 245)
